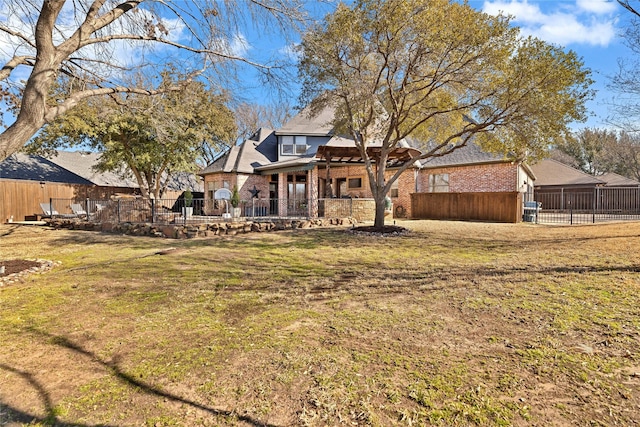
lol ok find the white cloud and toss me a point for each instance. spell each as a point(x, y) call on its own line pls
point(590, 22)
point(239, 46)
point(597, 6)
point(291, 50)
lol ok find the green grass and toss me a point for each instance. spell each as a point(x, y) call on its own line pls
point(454, 324)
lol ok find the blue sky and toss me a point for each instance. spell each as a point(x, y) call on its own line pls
point(591, 28)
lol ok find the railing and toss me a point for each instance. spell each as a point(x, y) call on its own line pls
point(176, 211)
point(179, 211)
point(602, 204)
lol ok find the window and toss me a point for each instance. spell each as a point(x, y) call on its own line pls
point(439, 183)
point(294, 144)
point(354, 183)
point(225, 184)
point(393, 191)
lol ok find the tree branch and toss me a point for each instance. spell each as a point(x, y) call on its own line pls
point(627, 5)
point(5, 29)
point(8, 68)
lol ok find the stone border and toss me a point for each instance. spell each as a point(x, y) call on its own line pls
point(45, 265)
point(189, 231)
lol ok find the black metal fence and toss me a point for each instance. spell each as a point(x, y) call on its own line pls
point(177, 211)
point(602, 204)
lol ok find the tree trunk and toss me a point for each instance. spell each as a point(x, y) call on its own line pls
point(380, 205)
point(16, 136)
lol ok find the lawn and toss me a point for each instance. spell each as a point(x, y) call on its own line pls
point(452, 324)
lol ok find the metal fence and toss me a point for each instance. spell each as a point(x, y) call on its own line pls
point(179, 211)
point(175, 211)
point(603, 204)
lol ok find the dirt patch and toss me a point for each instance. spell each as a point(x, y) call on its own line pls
point(14, 269)
point(13, 266)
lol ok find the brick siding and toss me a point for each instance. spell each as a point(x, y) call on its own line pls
point(494, 177)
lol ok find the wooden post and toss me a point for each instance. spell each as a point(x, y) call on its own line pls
point(328, 188)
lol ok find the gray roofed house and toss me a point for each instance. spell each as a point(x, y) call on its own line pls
point(279, 172)
point(614, 180)
point(552, 173)
point(24, 167)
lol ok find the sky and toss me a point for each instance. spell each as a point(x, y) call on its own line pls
point(591, 28)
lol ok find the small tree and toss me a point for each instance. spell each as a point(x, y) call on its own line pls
point(442, 73)
point(188, 198)
point(151, 136)
point(235, 197)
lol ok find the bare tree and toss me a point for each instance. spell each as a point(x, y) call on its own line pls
point(250, 117)
point(626, 82)
point(85, 40)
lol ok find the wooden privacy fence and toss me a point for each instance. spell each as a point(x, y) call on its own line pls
point(21, 199)
point(495, 207)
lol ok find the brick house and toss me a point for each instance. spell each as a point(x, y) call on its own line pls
point(286, 173)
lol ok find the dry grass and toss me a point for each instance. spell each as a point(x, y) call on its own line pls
point(453, 324)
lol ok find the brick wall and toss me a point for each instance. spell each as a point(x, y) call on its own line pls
point(406, 185)
point(494, 177)
point(261, 182)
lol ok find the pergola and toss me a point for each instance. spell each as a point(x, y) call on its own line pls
point(342, 154)
point(353, 155)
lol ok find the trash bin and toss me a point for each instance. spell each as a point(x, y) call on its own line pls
point(531, 210)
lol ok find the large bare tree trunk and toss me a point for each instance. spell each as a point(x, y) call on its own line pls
point(54, 47)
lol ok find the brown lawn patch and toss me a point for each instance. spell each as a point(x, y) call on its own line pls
point(452, 324)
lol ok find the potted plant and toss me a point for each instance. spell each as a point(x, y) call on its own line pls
point(235, 201)
point(187, 211)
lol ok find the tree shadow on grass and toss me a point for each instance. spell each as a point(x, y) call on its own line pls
point(50, 419)
point(10, 414)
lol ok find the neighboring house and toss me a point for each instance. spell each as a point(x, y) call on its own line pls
point(27, 180)
point(286, 173)
point(615, 180)
point(552, 175)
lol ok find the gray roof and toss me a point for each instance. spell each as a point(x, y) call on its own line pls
point(82, 164)
point(77, 167)
point(305, 162)
point(470, 154)
point(24, 167)
point(551, 172)
point(260, 149)
point(304, 123)
point(615, 180)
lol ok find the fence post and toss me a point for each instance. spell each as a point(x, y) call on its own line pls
point(153, 211)
point(570, 212)
point(595, 203)
point(86, 208)
point(51, 206)
point(119, 211)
